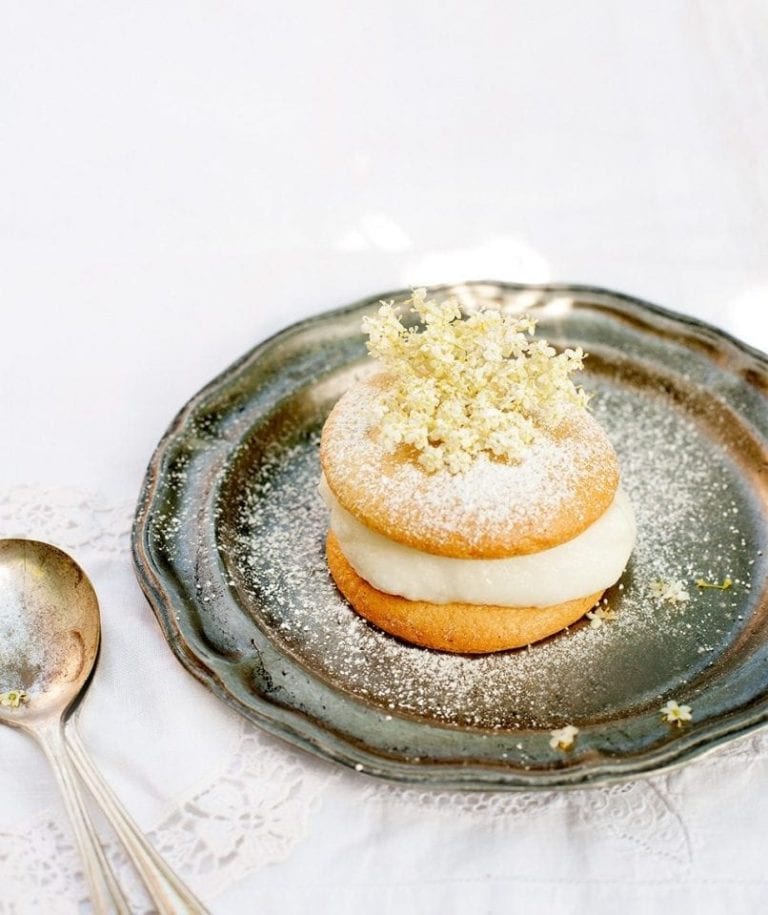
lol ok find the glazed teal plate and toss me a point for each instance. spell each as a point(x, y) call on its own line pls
point(229, 548)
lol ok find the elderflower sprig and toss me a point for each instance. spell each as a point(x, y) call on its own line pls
point(466, 385)
point(714, 585)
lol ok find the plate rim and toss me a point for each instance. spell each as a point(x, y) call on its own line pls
point(326, 744)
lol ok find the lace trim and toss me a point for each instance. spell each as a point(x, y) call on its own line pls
point(245, 818)
point(67, 518)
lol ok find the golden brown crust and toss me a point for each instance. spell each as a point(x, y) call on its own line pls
point(462, 628)
point(567, 479)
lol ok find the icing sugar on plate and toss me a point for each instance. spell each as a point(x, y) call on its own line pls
point(671, 466)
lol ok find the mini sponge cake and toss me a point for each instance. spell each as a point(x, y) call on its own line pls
point(502, 554)
point(566, 485)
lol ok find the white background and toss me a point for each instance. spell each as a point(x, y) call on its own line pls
point(178, 180)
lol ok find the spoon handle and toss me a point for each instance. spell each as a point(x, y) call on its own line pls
point(169, 895)
point(106, 896)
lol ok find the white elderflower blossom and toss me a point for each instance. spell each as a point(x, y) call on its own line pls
point(670, 592)
point(466, 385)
point(600, 615)
point(564, 738)
point(676, 714)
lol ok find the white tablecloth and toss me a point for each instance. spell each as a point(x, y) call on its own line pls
point(177, 181)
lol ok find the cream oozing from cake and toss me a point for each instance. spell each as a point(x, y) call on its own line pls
point(590, 562)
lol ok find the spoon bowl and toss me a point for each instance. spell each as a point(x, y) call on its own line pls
point(49, 629)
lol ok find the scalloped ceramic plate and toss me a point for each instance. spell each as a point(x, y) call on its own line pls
point(228, 547)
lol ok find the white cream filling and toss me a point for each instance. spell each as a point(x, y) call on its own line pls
point(589, 563)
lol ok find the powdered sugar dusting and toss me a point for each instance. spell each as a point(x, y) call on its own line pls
point(23, 651)
point(36, 647)
point(673, 464)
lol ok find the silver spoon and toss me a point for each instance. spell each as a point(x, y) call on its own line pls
point(49, 641)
